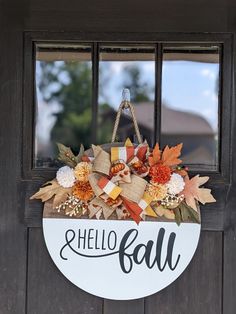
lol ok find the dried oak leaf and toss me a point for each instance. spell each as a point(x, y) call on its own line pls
point(177, 213)
point(67, 156)
point(61, 196)
point(170, 155)
point(192, 192)
point(155, 156)
point(188, 213)
point(51, 189)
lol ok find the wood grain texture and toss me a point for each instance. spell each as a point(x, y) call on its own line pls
point(212, 215)
point(199, 288)
point(135, 16)
point(49, 291)
point(229, 273)
point(13, 234)
point(124, 307)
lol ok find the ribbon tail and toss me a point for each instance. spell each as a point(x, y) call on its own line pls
point(133, 209)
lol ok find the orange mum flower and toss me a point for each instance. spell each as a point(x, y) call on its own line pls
point(83, 191)
point(160, 173)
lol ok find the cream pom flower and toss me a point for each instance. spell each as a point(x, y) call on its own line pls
point(65, 177)
point(82, 171)
point(176, 184)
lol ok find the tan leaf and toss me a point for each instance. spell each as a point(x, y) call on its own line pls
point(205, 196)
point(159, 210)
point(162, 211)
point(49, 190)
point(155, 156)
point(169, 214)
point(192, 192)
point(61, 196)
point(170, 155)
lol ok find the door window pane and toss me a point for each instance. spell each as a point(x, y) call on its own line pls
point(190, 89)
point(130, 67)
point(190, 102)
point(63, 99)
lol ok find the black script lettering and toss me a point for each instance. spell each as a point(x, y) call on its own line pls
point(96, 241)
point(90, 238)
point(128, 253)
point(68, 241)
point(146, 255)
point(103, 238)
point(82, 238)
point(127, 259)
point(109, 240)
point(159, 245)
point(170, 251)
point(122, 250)
point(69, 237)
point(159, 250)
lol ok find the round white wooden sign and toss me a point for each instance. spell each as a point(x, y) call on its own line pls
point(120, 260)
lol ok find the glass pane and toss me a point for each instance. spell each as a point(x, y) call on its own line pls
point(63, 99)
point(190, 88)
point(130, 67)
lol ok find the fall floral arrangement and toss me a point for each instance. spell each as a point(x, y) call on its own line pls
point(126, 182)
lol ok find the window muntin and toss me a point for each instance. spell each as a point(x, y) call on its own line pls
point(116, 56)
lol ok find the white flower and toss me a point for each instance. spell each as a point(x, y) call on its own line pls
point(176, 184)
point(65, 177)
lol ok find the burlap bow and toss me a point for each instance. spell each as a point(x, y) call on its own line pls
point(132, 194)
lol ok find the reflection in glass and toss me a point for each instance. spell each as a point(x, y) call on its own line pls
point(130, 67)
point(190, 87)
point(64, 97)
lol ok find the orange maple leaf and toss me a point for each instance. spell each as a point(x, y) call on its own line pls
point(170, 155)
point(155, 157)
point(192, 192)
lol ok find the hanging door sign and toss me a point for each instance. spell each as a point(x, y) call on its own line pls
point(122, 221)
point(120, 260)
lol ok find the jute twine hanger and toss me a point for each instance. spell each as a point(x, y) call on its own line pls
point(126, 104)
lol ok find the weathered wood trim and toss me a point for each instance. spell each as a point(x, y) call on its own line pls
point(13, 233)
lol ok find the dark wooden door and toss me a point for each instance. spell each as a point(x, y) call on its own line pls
point(30, 282)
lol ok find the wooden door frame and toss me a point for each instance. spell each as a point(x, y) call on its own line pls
point(212, 214)
point(16, 211)
point(218, 217)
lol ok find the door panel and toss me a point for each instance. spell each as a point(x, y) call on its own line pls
point(48, 290)
point(124, 307)
point(30, 282)
point(198, 289)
